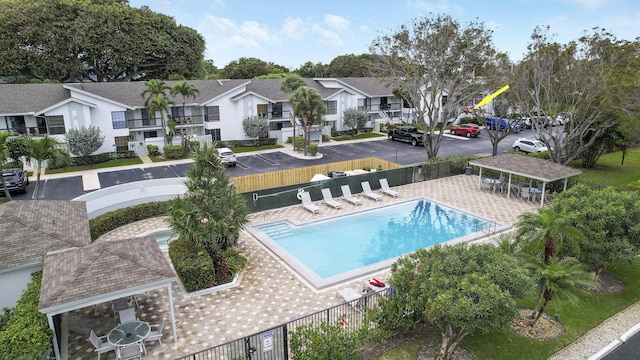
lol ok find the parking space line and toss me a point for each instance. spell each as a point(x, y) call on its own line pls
point(261, 157)
point(361, 148)
point(335, 149)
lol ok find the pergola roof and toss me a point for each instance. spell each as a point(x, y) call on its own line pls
point(100, 272)
point(527, 166)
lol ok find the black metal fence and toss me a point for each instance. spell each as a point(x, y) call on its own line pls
point(273, 343)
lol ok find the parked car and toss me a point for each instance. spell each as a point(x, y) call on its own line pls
point(408, 134)
point(227, 157)
point(16, 180)
point(529, 145)
point(502, 124)
point(467, 130)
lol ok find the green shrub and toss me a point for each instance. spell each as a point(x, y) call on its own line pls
point(153, 150)
point(60, 159)
point(325, 138)
point(466, 120)
point(328, 341)
point(247, 143)
point(193, 266)
point(174, 152)
point(26, 334)
point(235, 260)
point(104, 223)
point(299, 142)
point(313, 149)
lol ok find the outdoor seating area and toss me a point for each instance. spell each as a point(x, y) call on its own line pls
point(214, 318)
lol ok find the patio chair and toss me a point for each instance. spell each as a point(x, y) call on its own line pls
point(156, 333)
point(346, 194)
point(486, 184)
point(366, 190)
point(525, 193)
point(100, 345)
point(132, 351)
point(384, 185)
point(350, 296)
point(328, 199)
point(127, 315)
point(308, 204)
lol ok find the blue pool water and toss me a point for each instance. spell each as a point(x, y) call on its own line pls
point(342, 245)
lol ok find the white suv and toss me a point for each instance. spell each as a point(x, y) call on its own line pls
point(227, 157)
point(529, 145)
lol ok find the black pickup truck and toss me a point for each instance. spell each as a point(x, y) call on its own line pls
point(408, 134)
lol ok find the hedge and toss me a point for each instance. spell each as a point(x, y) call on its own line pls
point(193, 265)
point(104, 223)
point(174, 152)
point(247, 143)
point(26, 334)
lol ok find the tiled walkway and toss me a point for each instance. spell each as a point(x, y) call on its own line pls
point(268, 293)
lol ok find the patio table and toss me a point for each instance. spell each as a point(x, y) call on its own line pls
point(128, 333)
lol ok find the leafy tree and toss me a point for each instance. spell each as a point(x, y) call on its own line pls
point(155, 94)
point(42, 149)
point(609, 220)
point(95, 41)
point(548, 233)
point(84, 141)
point(308, 105)
point(256, 126)
point(575, 78)
point(288, 85)
point(350, 66)
point(18, 148)
point(249, 68)
point(430, 63)
point(459, 289)
point(311, 70)
point(3, 158)
point(211, 213)
point(557, 279)
point(355, 119)
point(26, 334)
point(185, 90)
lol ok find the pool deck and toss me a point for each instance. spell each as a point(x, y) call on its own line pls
point(269, 293)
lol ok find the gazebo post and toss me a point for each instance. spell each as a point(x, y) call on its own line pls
point(565, 184)
point(509, 187)
point(173, 316)
point(56, 346)
point(480, 178)
point(544, 184)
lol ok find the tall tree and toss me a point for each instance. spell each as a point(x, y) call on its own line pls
point(155, 95)
point(355, 119)
point(256, 126)
point(211, 213)
point(573, 78)
point(42, 149)
point(84, 141)
point(311, 70)
point(350, 66)
point(185, 90)
point(557, 279)
point(308, 105)
point(249, 68)
point(431, 63)
point(288, 85)
point(3, 158)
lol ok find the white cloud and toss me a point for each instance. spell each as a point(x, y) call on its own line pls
point(327, 37)
point(293, 28)
point(336, 22)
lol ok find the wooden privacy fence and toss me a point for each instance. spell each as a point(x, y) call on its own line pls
point(287, 177)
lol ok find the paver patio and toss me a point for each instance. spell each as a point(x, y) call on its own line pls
point(269, 293)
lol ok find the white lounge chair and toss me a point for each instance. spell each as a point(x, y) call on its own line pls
point(346, 194)
point(101, 346)
point(384, 185)
point(308, 204)
point(328, 199)
point(350, 296)
point(366, 190)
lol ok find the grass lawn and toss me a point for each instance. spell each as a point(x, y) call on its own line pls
point(108, 164)
point(358, 136)
point(576, 318)
point(609, 172)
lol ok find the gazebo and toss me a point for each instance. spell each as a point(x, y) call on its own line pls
point(103, 271)
point(527, 166)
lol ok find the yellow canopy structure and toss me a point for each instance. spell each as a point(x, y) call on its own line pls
point(488, 99)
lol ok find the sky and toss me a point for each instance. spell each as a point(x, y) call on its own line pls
point(292, 32)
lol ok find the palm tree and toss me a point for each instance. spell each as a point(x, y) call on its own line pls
point(42, 149)
point(307, 104)
point(185, 90)
point(3, 157)
point(547, 230)
point(288, 85)
point(160, 103)
point(558, 279)
point(156, 91)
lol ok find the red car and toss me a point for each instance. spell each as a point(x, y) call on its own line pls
point(467, 130)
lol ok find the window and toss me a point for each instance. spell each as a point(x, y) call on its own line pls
point(363, 104)
point(176, 113)
point(215, 134)
point(213, 113)
point(332, 107)
point(444, 99)
point(118, 120)
point(122, 143)
point(262, 110)
point(56, 125)
point(150, 134)
point(277, 110)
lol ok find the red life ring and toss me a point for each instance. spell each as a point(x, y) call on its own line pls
point(376, 283)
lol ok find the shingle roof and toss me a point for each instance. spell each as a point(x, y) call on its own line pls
point(28, 98)
point(527, 166)
point(373, 87)
point(102, 268)
point(32, 228)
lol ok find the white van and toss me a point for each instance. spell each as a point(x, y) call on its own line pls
point(227, 157)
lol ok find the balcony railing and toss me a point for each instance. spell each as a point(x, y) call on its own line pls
point(157, 123)
point(397, 106)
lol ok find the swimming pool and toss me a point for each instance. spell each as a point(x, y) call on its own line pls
point(331, 251)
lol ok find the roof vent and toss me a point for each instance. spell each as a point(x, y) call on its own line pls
point(53, 221)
